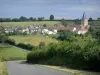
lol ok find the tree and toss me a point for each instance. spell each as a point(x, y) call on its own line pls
point(90, 19)
point(98, 34)
point(22, 18)
point(40, 18)
point(32, 19)
point(51, 17)
point(42, 44)
point(65, 35)
point(98, 18)
point(2, 30)
point(3, 37)
point(15, 20)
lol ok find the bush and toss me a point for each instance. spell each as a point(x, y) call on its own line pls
point(69, 54)
point(11, 42)
point(25, 46)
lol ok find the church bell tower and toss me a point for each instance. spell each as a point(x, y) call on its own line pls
point(84, 20)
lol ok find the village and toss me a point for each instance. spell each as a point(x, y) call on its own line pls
point(50, 37)
point(47, 29)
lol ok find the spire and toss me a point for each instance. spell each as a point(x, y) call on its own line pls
point(84, 16)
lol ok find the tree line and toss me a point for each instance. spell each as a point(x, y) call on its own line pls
point(23, 18)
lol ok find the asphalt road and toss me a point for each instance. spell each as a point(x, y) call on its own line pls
point(21, 68)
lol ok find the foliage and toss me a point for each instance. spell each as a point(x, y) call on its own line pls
point(21, 19)
point(10, 41)
point(25, 46)
point(98, 18)
point(51, 17)
point(94, 28)
point(90, 19)
point(40, 18)
point(69, 54)
point(42, 44)
point(3, 37)
point(65, 35)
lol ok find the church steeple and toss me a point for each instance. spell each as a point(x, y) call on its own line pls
point(84, 16)
point(84, 20)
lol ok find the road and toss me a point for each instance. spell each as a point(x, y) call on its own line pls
point(21, 68)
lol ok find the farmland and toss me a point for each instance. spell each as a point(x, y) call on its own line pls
point(7, 24)
point(12, 53)
point(33, 40)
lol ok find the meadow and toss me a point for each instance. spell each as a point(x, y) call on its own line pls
point(12, 53)
point(7, 24)
point(33, 40)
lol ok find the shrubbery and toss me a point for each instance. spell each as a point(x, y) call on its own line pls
point(69, 54)
point(10, 41)
point(25, 46)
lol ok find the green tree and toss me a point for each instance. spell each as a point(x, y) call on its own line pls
point(15, 20)
point(90, 19)
point(65, 35)
point(98, 34)
point(3, 37)
point(22, 18)
point(98, 18)
point(40, 18)
point(51, 17)
point(42, 44)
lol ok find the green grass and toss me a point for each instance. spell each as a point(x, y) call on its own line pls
point(72, 71)
point(33, 40)
point(6, 24)
point(4, 45)
point(12, 53)
point(3, 70)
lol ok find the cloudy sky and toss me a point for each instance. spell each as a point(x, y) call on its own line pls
point(59, 8)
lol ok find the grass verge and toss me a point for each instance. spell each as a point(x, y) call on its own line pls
point(12, 53)
point(71, 71)
point(3, 70)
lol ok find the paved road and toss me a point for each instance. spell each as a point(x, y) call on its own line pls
point(21, 68)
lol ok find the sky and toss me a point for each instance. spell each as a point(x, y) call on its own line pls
point(44, 8)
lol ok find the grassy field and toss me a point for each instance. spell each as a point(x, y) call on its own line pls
point(72, 22)
point(33, 40)
point(12, 53)
point(3, 70)
point(6, 24)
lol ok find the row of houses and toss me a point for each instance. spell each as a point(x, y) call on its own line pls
point(31, 29)
point(48, 29)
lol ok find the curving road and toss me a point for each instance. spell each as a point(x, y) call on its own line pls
point(21, 68)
